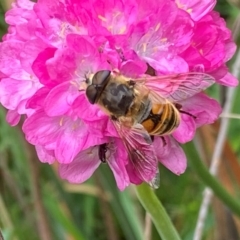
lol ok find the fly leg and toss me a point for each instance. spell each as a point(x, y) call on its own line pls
point(163, 139)
point(179, 107)
point(102, 152)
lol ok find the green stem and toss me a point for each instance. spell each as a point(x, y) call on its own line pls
point(209, 180)
point(158, 214)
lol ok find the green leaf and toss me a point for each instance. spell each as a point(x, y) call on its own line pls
point(157, 212)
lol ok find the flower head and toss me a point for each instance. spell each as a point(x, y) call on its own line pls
point(53, 48)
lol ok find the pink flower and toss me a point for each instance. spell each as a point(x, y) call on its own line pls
point(211, 47)
point(87, 161)
point(19, 83)
point(196, 105)
point(197, 9)
point(53, 47)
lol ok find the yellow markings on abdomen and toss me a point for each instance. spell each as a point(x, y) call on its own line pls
point(163, 119)
point(148, 125)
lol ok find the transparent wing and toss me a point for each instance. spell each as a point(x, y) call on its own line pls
point(178, 87)
point(155, 182)
point(141, 153)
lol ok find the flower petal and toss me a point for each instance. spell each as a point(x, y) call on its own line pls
point(39, 66)
point(228, 80)
point(44, 155)
point(82, 167)
point(13, 117)
point(170, 154)
point(60, 98)
point(196, 106)
point(186, 130)
point(41, 129)
point(14, 91)
point(197, 9)
point(117, 164)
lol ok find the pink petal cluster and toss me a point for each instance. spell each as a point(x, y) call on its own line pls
point(51, 46)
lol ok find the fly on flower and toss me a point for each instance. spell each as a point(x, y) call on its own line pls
point(45, 56)
point(142, 108)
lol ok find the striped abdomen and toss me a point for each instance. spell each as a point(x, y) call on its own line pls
point(163, 119)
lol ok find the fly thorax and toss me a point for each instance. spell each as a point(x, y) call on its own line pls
point(117, 98)
point(144, 110)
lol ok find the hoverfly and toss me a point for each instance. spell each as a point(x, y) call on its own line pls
point(141, 108)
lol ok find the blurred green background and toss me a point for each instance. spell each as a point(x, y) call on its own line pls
point(35, 204)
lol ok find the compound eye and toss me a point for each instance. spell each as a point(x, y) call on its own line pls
point(92, 94)
point(101, 78)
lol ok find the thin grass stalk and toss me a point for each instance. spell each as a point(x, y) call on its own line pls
point(148, 227)
point(230, 115)
point(207, 195)
point(232, 203)
point(1, 236)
